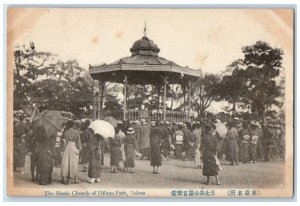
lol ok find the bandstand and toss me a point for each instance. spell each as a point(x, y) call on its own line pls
point(144, 67)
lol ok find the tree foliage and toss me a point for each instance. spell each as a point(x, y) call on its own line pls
point(41, 80)
point(203, 93)
point(253, 79)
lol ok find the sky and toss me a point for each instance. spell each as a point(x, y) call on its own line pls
point(209, 39)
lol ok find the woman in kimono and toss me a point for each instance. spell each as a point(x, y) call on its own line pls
point(189, 140)
point(178, 142)
point(254, 132)
point(115, 151)
point(197, 133)
point(70, 159)
point(120, 135)
point(84, 152)
point(129, 147)
point(232, 138)
point(144, 139)
point(95, 146)
point(155, 145)
point(45, 156)
point(209, 150)
point(58, 148)
point(19, 146)
point(244, 146)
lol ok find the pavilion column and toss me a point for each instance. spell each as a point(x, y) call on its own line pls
point(189, 100)
point(94, 102)
point(184, 95)
point(158, 96)
point(99, 98)
point(125, 81)
point(102, 94)
point(165, 81)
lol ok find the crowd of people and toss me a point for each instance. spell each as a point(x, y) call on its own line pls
point(205, 143)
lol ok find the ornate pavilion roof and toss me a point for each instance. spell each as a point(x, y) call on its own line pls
point(144, 66)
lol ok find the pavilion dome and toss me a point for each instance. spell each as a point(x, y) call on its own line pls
point(145, 47)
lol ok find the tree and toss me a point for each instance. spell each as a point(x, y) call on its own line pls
point(203, 93)
point(43, 80)
point(263, 64)
point(66, 86)
point(252, 82)
point(27, 70)
point(233, 87)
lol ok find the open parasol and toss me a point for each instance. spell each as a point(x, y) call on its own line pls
point(221, 129)
point(102, 128)
point(112, 121)
point(51, 121)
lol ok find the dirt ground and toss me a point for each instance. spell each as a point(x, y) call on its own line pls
point(173, 174)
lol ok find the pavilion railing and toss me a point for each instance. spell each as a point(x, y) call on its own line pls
point(134, 114)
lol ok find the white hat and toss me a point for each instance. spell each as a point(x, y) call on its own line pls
point(130, 130)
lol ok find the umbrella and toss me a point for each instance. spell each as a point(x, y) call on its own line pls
point(67, 114)
point(221, 129)
point(102, 128)
point(112, 121)
point(52, 121)
point(16, 120)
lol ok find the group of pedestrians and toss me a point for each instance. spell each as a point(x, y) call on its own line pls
point(253, 141)
point(202, 142)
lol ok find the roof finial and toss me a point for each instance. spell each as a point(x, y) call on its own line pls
point(145, 29)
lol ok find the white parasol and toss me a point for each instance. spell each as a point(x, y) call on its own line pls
point(102, 128)
point(221, 129)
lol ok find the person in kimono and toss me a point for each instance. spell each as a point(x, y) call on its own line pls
point(178, 142)
point(144, 139)
point(189, 140)
point(254, 132)
point(166, 140)
point(95, 145)
point(129, 148)
point(33, 158)
point(45, 156)
point(266, 141)
point(70, 158)
point(245, 137)
point(20, 131)
point(120, 135)
point(198, 134)
point(232, 137)
point(58, 149)
point(155, 145)
point(115, 151)
point(209, 150)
